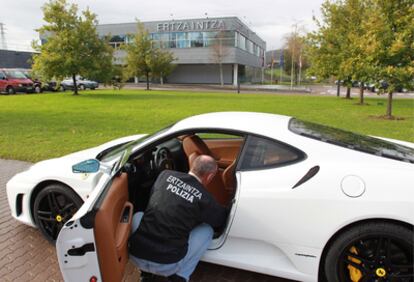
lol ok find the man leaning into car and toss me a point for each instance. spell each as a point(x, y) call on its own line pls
point(175, 230)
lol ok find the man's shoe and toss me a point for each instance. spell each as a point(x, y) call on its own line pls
point(176, 278)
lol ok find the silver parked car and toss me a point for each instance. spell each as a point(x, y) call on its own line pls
point(82, 83)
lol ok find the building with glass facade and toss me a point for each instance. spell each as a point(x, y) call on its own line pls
point(200, 45)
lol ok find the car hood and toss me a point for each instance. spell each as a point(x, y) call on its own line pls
point(21, 80)
point(65, 163)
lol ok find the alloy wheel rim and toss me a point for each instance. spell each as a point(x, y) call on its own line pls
point(377, 259)
point(53, 212)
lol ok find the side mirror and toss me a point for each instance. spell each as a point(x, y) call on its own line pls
point(88, 166)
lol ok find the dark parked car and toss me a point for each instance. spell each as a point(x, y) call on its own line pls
point(382, 85)
point(38, 85)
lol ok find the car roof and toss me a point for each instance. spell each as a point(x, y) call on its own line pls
point(260, 123)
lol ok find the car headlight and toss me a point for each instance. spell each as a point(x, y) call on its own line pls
point(20, 85)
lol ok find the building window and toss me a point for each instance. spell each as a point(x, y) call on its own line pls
point(156, 40)
point(182, 41)
point(249, 46)
point(173, 40)
point(242, 42)
point(209, 38)
point(196, 39)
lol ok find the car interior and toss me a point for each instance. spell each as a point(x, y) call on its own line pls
point(129, 191)
point(178, 153)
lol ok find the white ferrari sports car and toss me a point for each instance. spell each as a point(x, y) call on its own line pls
point(308, 202)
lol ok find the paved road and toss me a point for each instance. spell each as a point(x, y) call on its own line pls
point(26, 256)
point(313, 90)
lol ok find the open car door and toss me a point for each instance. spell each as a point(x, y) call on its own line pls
point(93, 245)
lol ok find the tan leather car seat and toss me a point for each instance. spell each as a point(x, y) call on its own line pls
point(229, 178)
point(193, 147)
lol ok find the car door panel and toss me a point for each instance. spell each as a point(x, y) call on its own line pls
point(77, 268)
point(112, 228)
point(265, 196)
point(94, 243)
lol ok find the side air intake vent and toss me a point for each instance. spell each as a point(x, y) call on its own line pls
point(311, 173)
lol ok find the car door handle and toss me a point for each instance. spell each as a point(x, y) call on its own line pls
point(124, 227)
point(82, 250)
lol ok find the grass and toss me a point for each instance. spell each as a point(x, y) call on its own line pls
point(37, 127)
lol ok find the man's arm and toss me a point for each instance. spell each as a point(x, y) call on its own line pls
point(214, 214)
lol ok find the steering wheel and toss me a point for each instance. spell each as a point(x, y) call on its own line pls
point(163, 159)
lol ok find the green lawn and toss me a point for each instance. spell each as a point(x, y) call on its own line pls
point(37, 127)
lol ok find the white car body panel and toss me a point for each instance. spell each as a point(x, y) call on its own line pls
point(58, 170)
point(276, 230)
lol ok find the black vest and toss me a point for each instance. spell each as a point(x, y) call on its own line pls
point(177, 204)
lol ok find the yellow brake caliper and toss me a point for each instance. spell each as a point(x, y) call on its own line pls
point(354, 272)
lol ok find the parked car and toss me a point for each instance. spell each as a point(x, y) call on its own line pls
point(38, 85)
point(81, 83)
point(306, 201)
point(382, 85)
point(12, 81)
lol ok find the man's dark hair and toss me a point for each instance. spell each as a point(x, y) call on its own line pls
point(204, 165)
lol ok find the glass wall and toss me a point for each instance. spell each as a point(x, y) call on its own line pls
point(247, 45)
point(193, 39)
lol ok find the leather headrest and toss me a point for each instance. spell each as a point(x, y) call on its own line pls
point(194, 144)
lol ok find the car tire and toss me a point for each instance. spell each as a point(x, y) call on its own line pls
point(371, 252)
point(93, 88)
point(62, 88)
point(53, 206)
point(81, 87)
point(37, 89)
point(10, 90)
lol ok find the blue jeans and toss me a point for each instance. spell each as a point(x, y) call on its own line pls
point(198, 242)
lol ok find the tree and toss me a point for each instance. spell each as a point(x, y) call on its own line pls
point(294, 55)
point(161, 64)
point(389, 45)
point(219, 51)
point(139, 52)
point(143, 58)
point(355, 64)
point(73, 46)
point(327, 47)
point(323, 45)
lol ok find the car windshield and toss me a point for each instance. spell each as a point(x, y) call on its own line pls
point(15, 74)
point(352, 140)
point(113, 152)
point(27, 74)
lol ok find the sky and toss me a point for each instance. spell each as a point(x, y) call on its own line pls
point(272, 20)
